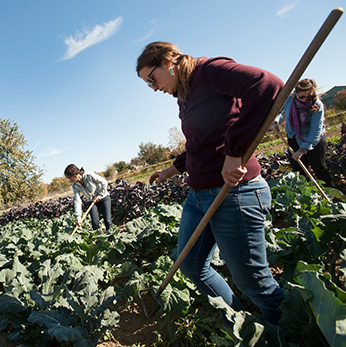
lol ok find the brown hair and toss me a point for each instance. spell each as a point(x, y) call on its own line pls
point(72, 170)
point(157, 52)
point(308, 84)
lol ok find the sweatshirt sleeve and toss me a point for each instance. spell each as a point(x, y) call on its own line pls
point(256, 88)
point(284, 113)
point(101, 185)
point(179, 162)
point(316, 129)
point(77, 202)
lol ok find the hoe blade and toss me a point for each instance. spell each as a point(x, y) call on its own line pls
point(150, 301)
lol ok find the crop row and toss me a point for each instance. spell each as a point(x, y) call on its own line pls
point(130, 200)
point(63, 290)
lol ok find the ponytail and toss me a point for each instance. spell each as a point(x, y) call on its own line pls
point(186, 65)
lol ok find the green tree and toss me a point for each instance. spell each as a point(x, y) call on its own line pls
point(340, 100)
point(59, 184)
point(121, 166)
point(20, 178)
point(110, 172)
point(137, 162)
point(153, 154)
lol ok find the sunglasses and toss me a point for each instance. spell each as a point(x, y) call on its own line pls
point(151, 82)
point(303, 97)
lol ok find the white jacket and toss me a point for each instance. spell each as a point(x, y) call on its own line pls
point(95, 186)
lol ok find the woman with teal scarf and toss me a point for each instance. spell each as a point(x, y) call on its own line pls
point(303, 113)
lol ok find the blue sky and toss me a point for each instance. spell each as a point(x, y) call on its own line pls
point(68, 74)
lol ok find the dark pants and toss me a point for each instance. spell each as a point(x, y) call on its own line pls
point(316, 158)
point(104, 207)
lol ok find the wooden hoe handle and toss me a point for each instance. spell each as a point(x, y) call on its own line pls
point(324, 195)
point(84, 216)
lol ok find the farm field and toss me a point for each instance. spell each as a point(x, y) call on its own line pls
point(82, 290)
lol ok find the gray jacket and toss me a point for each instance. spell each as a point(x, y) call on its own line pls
point(95, 186)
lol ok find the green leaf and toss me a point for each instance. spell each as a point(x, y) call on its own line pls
point(76, 306)
point(329, 311)
point(340, 294)
point(125, 269)
point(137, 282)
point(57, 325)
point(335, 223)
point(134, 228)
point(107, 298)
point(174, 300)
point(42, 301)
point(162, 266)
point(245, 328)
point(110, 319)
point(6, 277)
point(272, 246)
point(298, 321)
point(88, 296)
point(19, 268)
point(3, 324)
point(90, 274)
point(172, 211)
point(335, 193)
point(69, 261)
point(91, 251)
point(3, 260)
point(49, 276)
point(303, 266)
point(11, 304)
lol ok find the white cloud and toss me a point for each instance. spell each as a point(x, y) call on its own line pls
point(50, 152)
point(287, 8)
point(87, 38)
point(155, 27)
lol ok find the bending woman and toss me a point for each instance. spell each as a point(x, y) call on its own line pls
point(221, 106)
point(303, 113)
point(94, 188)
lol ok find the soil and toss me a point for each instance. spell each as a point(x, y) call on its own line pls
point(134, 327)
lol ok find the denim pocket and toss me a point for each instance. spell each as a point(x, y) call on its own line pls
point(264, 198)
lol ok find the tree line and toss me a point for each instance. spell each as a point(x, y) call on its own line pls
point(21, 178)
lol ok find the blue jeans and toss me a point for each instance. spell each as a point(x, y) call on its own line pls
point(103, 206)
point(237, 227)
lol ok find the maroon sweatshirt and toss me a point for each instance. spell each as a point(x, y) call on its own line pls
point(225, 108)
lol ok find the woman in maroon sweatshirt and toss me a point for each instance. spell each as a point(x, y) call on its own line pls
point(221, 106)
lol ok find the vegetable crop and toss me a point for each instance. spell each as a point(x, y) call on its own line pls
point(64, 291)
point(128, 201)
